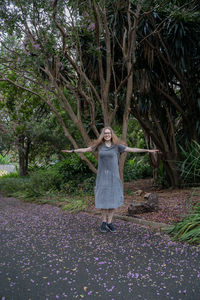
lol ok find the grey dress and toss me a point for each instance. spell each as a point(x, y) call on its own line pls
point(109, 189)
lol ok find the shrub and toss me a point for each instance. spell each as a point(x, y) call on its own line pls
point(71, 175)
point(190, 166)
point(137, 169)
point(46, 180)
point(189, 228)
point(4, 160)
point(78, 187)
point(74, 166)
point(11, 186)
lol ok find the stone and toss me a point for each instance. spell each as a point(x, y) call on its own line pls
point(137, 208)
point(138, 192)
point(150, 205)
point(146, 195)
point(153, 202)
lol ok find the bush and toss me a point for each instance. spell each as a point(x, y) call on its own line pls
point(4, 160)
point(190, 166)
point(189, 228)
point(137, 169)
point(71, 175)
point(74, 167)
point(46, 180)
point(13, 185)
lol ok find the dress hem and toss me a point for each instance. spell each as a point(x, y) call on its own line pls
point(109, 207)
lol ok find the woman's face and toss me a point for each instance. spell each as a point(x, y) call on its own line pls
point(107, 135)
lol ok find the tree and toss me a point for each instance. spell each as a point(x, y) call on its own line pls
point(49, 56)
point(97, 57)
point(167, 102)
point(27, 126)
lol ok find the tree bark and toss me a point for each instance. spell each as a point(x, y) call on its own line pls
point(23, 156)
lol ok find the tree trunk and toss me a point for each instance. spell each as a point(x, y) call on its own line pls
point(169, 162)
point(23, 156)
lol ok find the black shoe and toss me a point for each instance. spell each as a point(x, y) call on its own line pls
point(103, 227)
point(110, 227)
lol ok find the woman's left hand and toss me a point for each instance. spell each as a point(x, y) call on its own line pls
point(154, 151)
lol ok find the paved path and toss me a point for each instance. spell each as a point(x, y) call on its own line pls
point(49, 254)
point(8, 168)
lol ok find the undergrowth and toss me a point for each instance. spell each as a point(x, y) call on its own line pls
point(188, 230)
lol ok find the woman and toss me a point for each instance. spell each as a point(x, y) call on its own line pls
point(109, 189)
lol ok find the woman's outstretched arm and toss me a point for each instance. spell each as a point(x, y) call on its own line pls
point(129, 149)
point(79, 150)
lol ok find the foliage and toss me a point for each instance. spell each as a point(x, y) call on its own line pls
point(10, 185)
point(77, 204)
point(27, 124)
point(161, 179)
point(58, 184)
point(167, 80)
point(137, 168)
point(189, 167)
point(189, 228)
point(24, 188)
point(135, 134)
point(71, 176)
point(4, 160)
point(73, 55)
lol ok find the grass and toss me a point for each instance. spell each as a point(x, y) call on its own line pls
point(188, 230)
point(77, 204)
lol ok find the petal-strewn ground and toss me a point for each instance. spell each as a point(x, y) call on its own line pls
point(46, 253)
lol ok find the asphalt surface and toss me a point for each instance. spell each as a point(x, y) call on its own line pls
point(49, 254)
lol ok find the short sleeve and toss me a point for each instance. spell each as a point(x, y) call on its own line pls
point(121, 148)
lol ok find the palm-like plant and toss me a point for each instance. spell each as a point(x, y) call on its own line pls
point(190, 166)
point(189, 228)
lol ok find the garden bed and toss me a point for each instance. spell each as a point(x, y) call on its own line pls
point(174, 204)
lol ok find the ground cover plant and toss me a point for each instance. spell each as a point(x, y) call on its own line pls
point(188, 229)
point(190, 165)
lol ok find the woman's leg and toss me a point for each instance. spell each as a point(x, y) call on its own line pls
point(110, 215)
point(110, 226)
point(104, 213)
point(107, 215)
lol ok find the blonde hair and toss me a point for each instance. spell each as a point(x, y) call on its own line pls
point(114, 139)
